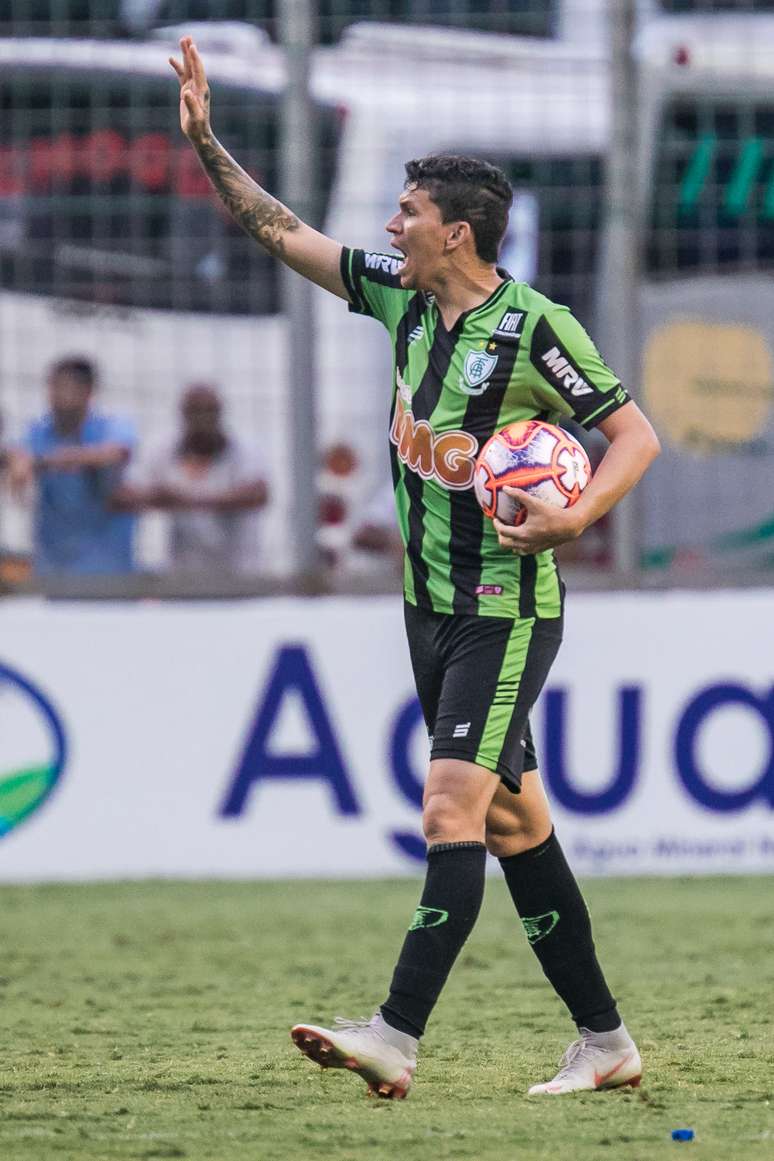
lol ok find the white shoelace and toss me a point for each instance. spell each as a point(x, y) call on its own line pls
point(352, 1025)
point(579, 1050)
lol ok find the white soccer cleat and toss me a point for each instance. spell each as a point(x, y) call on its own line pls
point(385, 1058)
point(597, 1060)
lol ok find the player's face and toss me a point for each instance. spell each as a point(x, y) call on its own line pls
point(420, 235)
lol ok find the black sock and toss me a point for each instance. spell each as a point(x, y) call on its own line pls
point(451, 900)
point(558, 927)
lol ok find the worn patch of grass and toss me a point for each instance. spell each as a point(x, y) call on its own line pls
point(151, 1021)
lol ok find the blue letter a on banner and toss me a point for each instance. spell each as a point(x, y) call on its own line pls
point(292, 673)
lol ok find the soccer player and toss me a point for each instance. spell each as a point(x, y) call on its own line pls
point(473, 350)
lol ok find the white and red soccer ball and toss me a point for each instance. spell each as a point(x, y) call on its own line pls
point(538, 457)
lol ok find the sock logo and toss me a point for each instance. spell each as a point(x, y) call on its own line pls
point(428, 917)
point(539, 926)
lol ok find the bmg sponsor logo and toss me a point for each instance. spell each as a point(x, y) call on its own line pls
point(33, 748)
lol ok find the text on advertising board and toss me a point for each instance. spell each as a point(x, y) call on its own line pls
point(292, 674)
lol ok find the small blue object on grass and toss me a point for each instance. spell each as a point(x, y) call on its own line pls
point(682, 1134)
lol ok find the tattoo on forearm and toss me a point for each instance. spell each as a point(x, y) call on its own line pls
point(257, 212)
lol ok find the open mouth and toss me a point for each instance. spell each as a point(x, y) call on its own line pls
point(402, 256)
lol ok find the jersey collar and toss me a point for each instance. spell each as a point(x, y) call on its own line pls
point(485, 305)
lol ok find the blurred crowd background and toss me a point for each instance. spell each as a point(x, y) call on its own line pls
point(178, 416)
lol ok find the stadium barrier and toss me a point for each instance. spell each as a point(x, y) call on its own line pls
point(282, 737)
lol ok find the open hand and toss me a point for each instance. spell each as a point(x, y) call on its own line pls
point(194, 93)
point(545, 525)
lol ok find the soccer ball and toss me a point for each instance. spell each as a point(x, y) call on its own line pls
point(538, 457)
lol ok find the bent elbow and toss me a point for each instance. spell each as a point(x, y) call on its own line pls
point(650, 444)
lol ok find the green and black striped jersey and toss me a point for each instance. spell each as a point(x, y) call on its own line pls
point(516, 356)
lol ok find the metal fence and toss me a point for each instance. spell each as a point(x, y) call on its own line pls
point(643, 170)
point(123, 18)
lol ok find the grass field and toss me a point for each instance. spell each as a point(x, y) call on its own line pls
point(151, 1021)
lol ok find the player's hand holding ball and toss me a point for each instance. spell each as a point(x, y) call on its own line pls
point(544, 526)
point(194, 93)
point(528, 477)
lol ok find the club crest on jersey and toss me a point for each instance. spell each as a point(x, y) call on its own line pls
point(476, 370)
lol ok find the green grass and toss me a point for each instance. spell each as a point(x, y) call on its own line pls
point(151, 1021)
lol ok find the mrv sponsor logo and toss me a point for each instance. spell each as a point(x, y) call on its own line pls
point(564, 374)
point(383, 262)
point(32, 748)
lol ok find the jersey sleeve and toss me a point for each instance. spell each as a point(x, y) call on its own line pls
point(373, 285)
point(569, 373)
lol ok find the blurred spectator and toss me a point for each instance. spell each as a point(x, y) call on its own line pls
point(76, 456)
point(210, 484)
point(378, 532)
point(3, 555)
point(3, 449)
point(338, 485)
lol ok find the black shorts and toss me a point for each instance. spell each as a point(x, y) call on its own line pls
point(477, 679)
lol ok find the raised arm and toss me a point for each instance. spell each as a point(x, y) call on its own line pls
point(258, 213)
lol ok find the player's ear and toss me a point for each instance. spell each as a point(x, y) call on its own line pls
point(457, 235)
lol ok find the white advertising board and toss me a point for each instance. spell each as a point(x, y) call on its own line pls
point(282, 737)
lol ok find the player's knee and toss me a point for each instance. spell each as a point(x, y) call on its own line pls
point(497, 844)
point(502, 845)
point(514, 836)
point(443, 819)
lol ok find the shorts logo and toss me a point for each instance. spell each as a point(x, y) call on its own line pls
point(461, 730)
point(477, 369)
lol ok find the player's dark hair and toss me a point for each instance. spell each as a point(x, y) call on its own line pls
point(466, 189)
point(78, 367)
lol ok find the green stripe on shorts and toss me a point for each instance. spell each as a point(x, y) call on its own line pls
point(507, 688)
